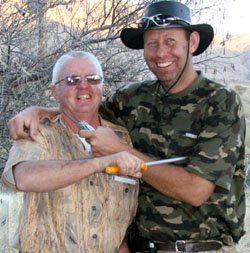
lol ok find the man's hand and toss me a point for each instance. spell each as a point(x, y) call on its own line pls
point(103, 141)
point(25, 124)
point(128, 164)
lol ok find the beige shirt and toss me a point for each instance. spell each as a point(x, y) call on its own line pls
point(89, 216)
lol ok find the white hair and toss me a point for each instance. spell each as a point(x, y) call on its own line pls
point(73, 55)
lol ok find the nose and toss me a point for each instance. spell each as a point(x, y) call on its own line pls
point(83, 83)
point(161, 50)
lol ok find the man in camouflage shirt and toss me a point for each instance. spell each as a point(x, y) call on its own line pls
point(181, 114)
point(204, 123)
point(198, 204)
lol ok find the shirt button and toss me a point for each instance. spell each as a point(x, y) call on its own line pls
point(93, 208)
point(126, 190)
point(91, 183)
point(94, 236)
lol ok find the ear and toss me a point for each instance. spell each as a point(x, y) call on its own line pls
point(194, 41)
point(53, 89)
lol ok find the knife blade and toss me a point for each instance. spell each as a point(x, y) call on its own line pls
point(114, 169)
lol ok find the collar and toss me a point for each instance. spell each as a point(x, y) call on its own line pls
point(199, 81)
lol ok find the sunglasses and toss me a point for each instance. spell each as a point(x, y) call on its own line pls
point(160, 20)
point(76, 80)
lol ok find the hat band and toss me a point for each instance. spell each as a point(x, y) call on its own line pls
point(161, 21)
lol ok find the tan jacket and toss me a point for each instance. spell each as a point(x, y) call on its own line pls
point(89, 216)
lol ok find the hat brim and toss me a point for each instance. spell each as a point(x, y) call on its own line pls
point(133, 37)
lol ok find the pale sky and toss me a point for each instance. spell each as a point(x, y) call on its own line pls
point(237, 19)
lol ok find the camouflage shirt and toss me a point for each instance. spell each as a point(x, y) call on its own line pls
point(205, 122)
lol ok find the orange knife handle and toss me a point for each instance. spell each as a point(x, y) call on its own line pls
point(144, 167)
point(113, 169)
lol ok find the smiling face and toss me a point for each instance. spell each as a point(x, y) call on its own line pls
point(82, 100)
point(165, 52)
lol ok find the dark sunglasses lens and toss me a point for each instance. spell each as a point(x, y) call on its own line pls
point(73, 80)
point(94, 79)
point(162, 20)
point(145, 23)
point(159, 20)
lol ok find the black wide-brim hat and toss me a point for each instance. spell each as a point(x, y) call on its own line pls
point(133, 37)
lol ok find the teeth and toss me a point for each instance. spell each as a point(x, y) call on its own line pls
point(84, 97)
point(164, 64)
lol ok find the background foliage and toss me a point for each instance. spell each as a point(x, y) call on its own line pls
point(34, 33)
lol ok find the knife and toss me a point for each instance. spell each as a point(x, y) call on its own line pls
point(114, 169)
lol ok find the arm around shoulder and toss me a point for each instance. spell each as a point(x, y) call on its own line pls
point(26, 123)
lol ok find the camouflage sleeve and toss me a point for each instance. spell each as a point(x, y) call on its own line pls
point(117, 107)
point(219, 151)
point(110, 110)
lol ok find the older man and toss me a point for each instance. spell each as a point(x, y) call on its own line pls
point(70, 204)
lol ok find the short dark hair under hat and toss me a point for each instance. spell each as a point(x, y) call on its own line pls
point(166, 15)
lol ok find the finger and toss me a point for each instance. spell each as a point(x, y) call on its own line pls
point(97, 153)
point(137, 174)
point(33, 129)
point(86, 133)
point(16, 130)
point(16, 135)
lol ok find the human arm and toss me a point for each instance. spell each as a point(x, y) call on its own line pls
point(26, 123)
point(171, 180)
point(43, 176)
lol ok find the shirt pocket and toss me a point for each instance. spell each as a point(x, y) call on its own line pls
point(182, 142)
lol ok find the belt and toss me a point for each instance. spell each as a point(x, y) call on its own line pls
point(187, 246)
